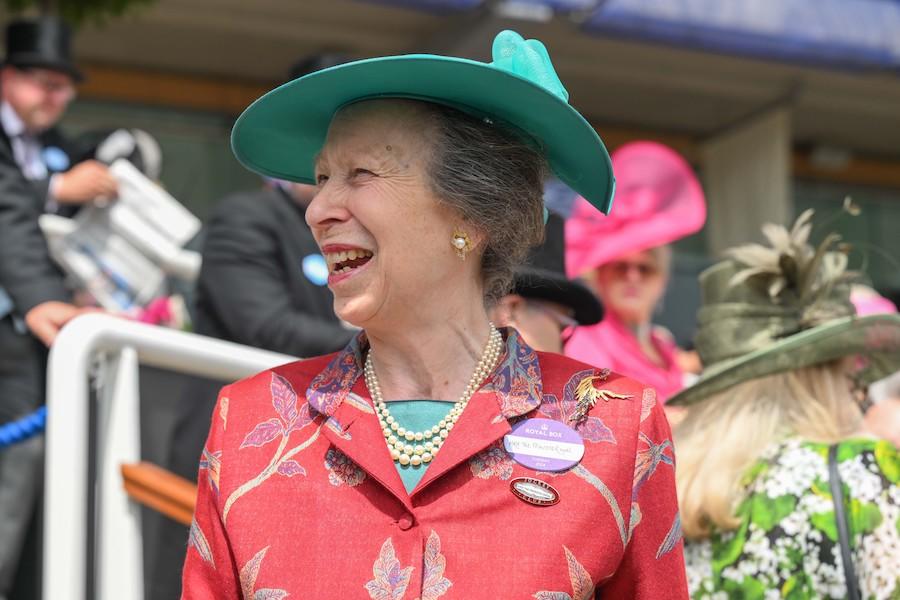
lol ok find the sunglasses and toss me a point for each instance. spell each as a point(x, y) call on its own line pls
point(566, 323)
point(644, 269)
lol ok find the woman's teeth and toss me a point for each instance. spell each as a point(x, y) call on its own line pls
point(342, 262)
point(339, 257)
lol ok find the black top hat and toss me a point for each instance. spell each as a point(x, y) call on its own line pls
point(41, 43)
point(543, 277)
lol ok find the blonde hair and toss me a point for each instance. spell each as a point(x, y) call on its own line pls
point(722, 436)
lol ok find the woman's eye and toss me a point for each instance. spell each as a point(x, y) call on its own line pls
point(362, 172)
point(321, 179)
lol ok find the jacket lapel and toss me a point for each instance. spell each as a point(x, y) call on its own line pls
point(339, 393)
point(354, 430)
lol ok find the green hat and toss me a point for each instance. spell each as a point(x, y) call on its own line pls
point(768, 310)
point(280, 133)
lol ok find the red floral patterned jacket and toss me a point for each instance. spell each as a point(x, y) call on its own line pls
point(299, 498)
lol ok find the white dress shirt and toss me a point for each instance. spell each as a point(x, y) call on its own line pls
point(25, 146)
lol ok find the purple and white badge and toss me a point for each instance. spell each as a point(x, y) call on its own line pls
point(544, 445)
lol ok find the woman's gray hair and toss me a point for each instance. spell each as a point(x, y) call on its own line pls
point(495, 179)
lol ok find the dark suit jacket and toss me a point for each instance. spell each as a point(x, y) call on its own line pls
point(252, 288)
point(27, 273)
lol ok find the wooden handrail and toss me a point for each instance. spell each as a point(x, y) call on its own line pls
point(161, 490)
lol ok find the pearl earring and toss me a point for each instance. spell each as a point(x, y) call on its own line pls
point(461, 243)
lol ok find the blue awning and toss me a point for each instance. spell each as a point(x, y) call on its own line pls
point(463, 5)
point(437, 6)
point(843, 33)
point(561, 5)
point(863, 34)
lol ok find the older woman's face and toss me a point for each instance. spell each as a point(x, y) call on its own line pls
point(385, 236)
point(631, 286)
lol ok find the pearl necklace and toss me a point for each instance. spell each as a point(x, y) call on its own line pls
point(417, 447)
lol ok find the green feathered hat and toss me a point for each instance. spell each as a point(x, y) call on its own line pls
point(768, 310)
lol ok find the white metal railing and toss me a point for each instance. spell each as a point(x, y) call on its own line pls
point(126, 344)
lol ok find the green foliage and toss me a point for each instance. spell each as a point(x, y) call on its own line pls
point(77, 12)
point(850, 449)
point(764, 513)
point(847, 449)
point(864, 518)
point(748, 589)
point(796, 588)
point(825, 523)
point(759, 468)
point(728, 551)
point(888, 459)
point(767, 512)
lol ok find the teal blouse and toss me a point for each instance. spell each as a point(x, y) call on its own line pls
point(417, 415)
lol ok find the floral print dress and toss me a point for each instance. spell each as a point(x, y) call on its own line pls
point(786, 545)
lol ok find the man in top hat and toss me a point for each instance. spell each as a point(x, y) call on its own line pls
point(37, 83)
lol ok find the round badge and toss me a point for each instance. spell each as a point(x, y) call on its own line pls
point(544, 445)
point(534, 491)
point(55, 158)
point(315, 269)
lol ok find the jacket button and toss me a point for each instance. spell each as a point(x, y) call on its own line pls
point(405, 522)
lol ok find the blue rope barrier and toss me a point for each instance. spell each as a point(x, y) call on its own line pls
point(23, 428)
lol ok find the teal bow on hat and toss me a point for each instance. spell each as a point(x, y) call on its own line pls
point(527, 59)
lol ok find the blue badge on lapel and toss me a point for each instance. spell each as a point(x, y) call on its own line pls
point(315, 269)
point(55, 159)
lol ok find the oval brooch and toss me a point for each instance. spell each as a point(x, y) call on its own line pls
point(534, 491)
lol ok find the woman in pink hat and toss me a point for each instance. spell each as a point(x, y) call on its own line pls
point(624, 258)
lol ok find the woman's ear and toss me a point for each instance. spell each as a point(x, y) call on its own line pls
point(506, 309)
point(477, 238)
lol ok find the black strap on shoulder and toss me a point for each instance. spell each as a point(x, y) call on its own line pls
point(843, 529)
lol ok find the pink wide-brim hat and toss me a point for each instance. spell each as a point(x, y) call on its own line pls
point(658, 201)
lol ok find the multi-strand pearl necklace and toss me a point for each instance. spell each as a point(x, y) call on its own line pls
point(416, 447)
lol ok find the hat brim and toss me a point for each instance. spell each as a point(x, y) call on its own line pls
point(532, 282)
point(281, 132)
point(875, 337)
point(37, 61)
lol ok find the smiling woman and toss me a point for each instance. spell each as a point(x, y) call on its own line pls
point(397, 180)
point(391, 454)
